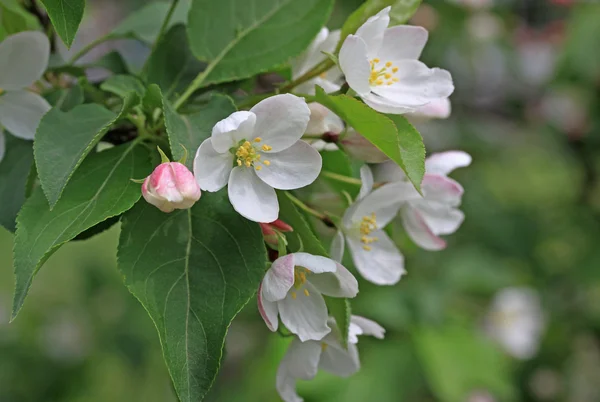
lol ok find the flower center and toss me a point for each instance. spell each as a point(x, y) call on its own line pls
point(367, 225)
point(300, 275)
point(248, 155)
point(382, 73)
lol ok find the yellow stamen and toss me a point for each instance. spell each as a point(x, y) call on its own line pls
point(367, 226)
point(294, 295)
point(366, 248)
point(388, 64)
point(395, 70)
point(258, 167)
point(306, 293)
point(267, 163)
point(324, 346)
point(387, 75)
point(266, 148)
point(375, 78)
point(248, 155)
point(376, 60)
point(257, 139)
point(395, 79)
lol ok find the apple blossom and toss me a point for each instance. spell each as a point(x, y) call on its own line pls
point(303, 359)
point(516, 321)
point(255, 152)
point(269, 230)
point(24, 58)
point(375, 255)
point(171, 186)
point(293, 289)
point(436, 213)
point(381, 65)
point(330, 80)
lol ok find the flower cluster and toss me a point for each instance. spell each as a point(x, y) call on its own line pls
point(258, 151)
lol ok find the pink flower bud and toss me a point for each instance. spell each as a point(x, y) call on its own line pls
point(269, 230)
point(171, 186)
point(360, 148)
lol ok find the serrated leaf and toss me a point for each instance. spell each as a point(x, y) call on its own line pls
point(100, 189)
point(64, 139)
point(400, 12)
point(66, 16)
point(193, 270)
point(172, 66)
point(121, 85)
point(152, 99)
point(66, 99)
point(241, 38)
point(144, 24)
point(190, 130)
point(395, 138)
point(14, 173)
point(303, 236)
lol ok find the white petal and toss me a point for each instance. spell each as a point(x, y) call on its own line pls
point(21, 112)
point(388, 171)
point(268, 311)
point(402, 42)
point(441, 219)
point(337, 247)
point(417, 85)
point(279, 278)
point(294, 167)
point(229, 131)
point(340, 283)
point(23, 59)
point(419, 231)
point(383, 264)
point(331, 42)
point(368, 327)
point(372, 31)
point(251, 197)
point(323, 120)
point(305, 316)
point(386, 105)
point(355, 64)
point(281, 120)
point(385, 202)
point(314, 263)
point(301, 360)
point(286, 386)
point(441, 189)
point(366, 182)
point(336, 360)
point(2, 144)
point(212, 169)
point(444, 163)
point(436, 109)
point(311, 56)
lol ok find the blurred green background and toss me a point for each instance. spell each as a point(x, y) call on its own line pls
point(526, 107)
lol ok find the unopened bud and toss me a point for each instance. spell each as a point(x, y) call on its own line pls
point(360, 148)
point(171, 186)
point(270, 230)
point(323, 120)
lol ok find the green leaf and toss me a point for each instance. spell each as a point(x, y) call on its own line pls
point(401, 11)
point(113, 62)
point(100, 189)
point(193, 270)
point(338, 162)
point(66, 99)
point(144, 24)
point(14, 172)
point(172, 66)
point(152, 99)
point(239, 41)
point(482, 365)
point(190, 130)
point(14, 18)
point(304, 239)
point(121, 85)
point(66, 16)
point(64, 139)
point(392, 135)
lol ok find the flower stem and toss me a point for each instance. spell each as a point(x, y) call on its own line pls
point(162, 31)
point(341, 178)
point(316, 71)
point(87, 48)
point(306, 208)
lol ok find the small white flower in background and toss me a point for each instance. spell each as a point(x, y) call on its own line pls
point(375, 255)
point(360, 148)
point(303, 359)
point(381, 65)
point(24, 58)
point(323, 121)
point(257, 151)
point(436, 213)
point(171, 186)
point(293, 289)
point(516, 321)
point(437, 109)
point(330, 80)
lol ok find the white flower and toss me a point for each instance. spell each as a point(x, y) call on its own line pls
point(293, 287)
point(330, 80)
point(516, 321)
point(323, 120)
point(375, 255)
point(437, 109)
point(381, 65)
point(264, 146)
point(436, 213)
point(24, 58)
point(304, 359)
